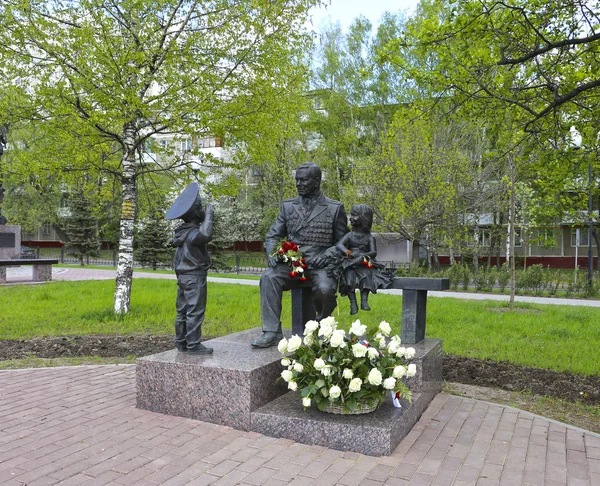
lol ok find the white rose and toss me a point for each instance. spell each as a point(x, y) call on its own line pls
point(282, 346)
point(287, 375)
point(329, 321)
point(294, 343)
point(319, 364)
point(326, 370)
point(285, 362)
point(335, 391)
point(299, 269)
point(310, 327)
point(409, 353)
point(374, 377)
point(298, 367)
point(399, 372)
point(396, 338)
point(401, 352)
point(292, 385)
point(412, 370)
point(373, 353)
point(306, 402)
point(357, 328)
point(358, 350)
point(393, 347)
point(389, 383)
point(337, 338)
point(381, 342)
point(325, 330)
point(348, 374)
point(308, 340)
point(355, 385)
point(385, 328)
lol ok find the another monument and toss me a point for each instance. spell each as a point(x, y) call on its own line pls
point(191, 266)
point(315, 223)
point(10, 236)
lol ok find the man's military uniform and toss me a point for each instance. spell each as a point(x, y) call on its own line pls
point(315, 224)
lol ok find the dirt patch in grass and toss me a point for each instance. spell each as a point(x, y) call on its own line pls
point(509, 377)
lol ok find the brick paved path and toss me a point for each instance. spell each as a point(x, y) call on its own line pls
point(79, 425)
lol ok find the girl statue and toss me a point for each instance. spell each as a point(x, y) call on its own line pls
point(358, 269)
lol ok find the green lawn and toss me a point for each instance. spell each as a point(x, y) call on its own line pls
point(563, 338)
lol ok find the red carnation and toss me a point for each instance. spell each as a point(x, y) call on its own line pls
point(303, 279)
point(295, 248)
point(369, 265)
point(303, 260)
point(304, 266)
point(297, 263)
point(280, 251)
point(365, 263)
point(292, 274)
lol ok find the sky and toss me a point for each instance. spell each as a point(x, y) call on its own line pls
point(345, 11)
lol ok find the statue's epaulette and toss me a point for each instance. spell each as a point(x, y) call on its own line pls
point(332, 201)
point(290, 199)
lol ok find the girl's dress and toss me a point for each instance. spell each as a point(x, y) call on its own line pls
point(353, 274)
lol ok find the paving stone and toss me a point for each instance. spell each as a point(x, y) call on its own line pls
point(89, 411)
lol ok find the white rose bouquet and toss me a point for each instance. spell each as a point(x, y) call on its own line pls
point(330, 367)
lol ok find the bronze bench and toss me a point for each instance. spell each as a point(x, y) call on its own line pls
point(414, 305)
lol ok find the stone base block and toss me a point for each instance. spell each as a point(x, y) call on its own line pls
point(221, 388)
point(42, 273)
point(376, 433)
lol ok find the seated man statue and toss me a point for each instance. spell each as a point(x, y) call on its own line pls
point(315, 223)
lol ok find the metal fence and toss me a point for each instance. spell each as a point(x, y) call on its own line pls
point(104, 257)
point(226, 262)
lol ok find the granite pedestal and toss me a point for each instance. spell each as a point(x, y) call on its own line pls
point(10, 242)
point(222, 388)
point(377, 433)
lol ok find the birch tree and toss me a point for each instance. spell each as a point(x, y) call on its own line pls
point(121, 71)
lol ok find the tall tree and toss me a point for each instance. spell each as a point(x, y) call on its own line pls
point(426, 178)
point(81, 227)
point(129, 69)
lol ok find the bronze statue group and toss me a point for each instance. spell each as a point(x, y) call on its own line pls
point(333, 258)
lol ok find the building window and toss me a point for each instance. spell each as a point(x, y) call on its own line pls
point(583, 237)
point(518, 239)
point(546, 234)
point(46, 227)
point(485, 237)
point(186, 145)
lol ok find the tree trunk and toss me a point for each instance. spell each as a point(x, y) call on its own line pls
point(597, 240)
point(436, 261)
point(415, 252)
point(510, 250)
point(125, 263)
point(476, 251)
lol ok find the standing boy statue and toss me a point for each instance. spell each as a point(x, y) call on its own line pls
point(191, 266)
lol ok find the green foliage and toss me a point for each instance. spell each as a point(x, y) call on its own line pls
point(455, 274)
point(116, 74)
point(484, 279)
point(503, 277)
point(81, 228)
point(153, 241)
